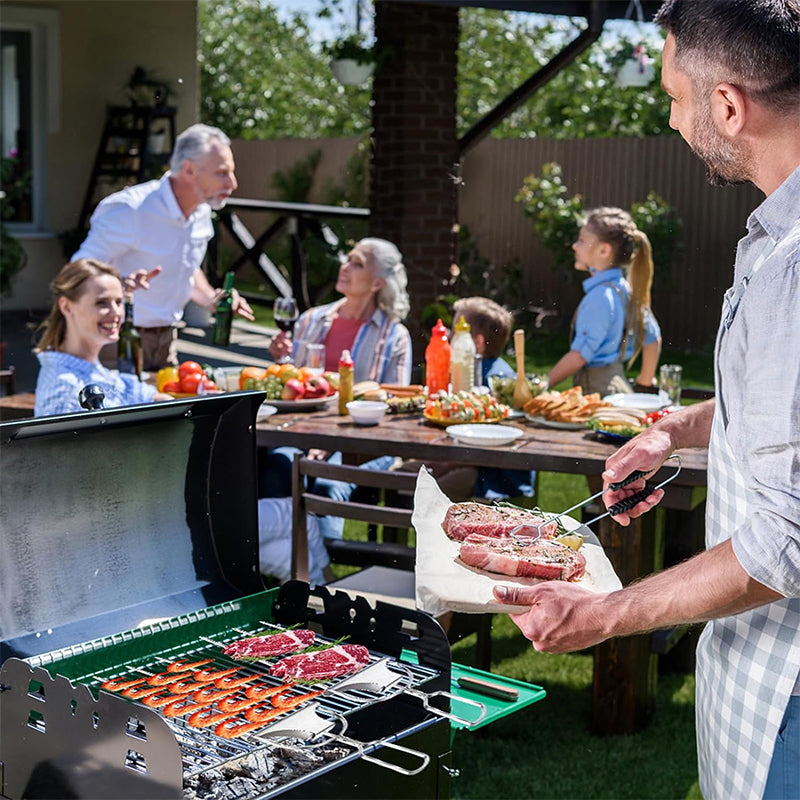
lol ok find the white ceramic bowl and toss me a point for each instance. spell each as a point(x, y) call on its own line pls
point(366, 412)
point(484, 435)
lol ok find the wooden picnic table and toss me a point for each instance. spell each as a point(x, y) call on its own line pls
point(625, 670)
point(17, 406)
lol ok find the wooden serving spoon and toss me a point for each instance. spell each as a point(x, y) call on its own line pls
point(522, 391)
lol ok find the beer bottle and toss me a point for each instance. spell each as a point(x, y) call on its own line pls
point(129, 348)
point(223, 315)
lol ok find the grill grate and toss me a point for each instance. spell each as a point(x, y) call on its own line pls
point(201, 749)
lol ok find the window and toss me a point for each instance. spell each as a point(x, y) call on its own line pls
point(29, 91)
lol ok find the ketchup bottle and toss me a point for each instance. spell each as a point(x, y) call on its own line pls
point(437, 360)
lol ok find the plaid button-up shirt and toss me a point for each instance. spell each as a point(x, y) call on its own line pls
point(748, 664)
point(381, 350)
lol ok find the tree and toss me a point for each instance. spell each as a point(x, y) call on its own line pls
point(500, 50)
point(261, 78)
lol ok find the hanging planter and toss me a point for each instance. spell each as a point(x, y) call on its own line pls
point(352, 62)
point(638, 70)
point(349, 72)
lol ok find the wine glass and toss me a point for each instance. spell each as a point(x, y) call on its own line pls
point(285, 314)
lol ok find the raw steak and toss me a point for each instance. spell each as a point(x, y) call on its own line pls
point(542, 558)
point(274, 644)
point(341, 659)
point(463, 519)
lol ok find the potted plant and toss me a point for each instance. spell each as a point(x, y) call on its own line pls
point(15, 190)
point(352, 62)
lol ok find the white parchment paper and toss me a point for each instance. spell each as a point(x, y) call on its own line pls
point(445, 584)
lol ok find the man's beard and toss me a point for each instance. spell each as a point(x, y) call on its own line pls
point(217, 203)
point(727, 164)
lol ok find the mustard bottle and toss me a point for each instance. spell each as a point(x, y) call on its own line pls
point(345, 381)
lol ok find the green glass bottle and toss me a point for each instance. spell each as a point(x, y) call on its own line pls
point(129, 348)
point(223, 315)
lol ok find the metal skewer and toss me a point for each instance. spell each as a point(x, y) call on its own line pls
point(618, 508)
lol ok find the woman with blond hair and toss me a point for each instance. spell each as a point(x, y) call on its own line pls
point(86, 314)
point(613, 322)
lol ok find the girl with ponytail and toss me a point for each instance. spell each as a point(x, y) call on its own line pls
point(614, 322)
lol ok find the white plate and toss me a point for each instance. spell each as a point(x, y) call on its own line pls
point(551, 423)
point(640, 400)
point(265, 410)
point(484, 435)
point(304, 404)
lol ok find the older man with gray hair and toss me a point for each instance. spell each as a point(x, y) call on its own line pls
point(162, 228)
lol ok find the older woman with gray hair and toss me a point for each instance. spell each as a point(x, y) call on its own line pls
point(367, 320)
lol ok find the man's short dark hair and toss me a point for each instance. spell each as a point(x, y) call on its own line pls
point(752, 44)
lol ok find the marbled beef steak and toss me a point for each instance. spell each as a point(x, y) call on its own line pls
point(463, 519)
point(541, 558)
point(273, 644)
point(341, 659)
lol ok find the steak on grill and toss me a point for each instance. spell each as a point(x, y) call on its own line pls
point(463, 519)
point(341, 659)
point(274, 644)
point(539, 558)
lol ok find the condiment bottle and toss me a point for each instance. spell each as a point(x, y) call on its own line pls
point(223, 315)
point(437, 360)
point(462, 364)
point(129, 347)
point(345, 381)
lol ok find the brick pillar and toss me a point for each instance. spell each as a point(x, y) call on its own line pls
point(415, 148)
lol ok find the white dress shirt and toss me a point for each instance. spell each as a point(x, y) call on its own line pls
point(143, 227)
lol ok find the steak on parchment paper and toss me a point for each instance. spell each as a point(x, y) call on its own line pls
point(341, 659)
point(273, 644)
point(540, 558)
point(463, 519)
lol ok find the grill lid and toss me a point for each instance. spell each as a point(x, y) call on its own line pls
point(109, 518)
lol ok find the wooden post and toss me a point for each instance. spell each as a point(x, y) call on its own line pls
point(625, 669)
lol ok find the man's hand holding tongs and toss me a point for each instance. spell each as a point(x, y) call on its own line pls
point(644, 453)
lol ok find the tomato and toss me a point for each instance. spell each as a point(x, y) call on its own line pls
point(207, 385)
point(171, 387)
point(256, 373)
point(189, 383)
point(166, 375)
point(189, 368)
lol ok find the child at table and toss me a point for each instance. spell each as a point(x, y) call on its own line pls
point(614, 321)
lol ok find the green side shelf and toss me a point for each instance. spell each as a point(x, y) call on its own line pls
point(496, 708)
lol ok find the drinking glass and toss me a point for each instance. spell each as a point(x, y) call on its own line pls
point(285, 314)
point(315, 358)
point(670, 382)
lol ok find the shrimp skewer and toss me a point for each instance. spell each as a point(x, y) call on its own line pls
point(233, 683)
point(225, 731)
point(284, 702)
point(207, 694)
point(120, 684)
point(158, 700)
point(207, 717)
point(139, 694)
point(181, 706)
point(262, 714)
point(184, 687)
point(263, 692)
point(209, 675)
point(163, 678)
point(234, 705)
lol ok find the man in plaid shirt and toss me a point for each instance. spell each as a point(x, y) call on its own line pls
point(732, 71)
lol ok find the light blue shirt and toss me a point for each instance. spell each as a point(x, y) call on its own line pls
point(600, 319)
point(62, 376)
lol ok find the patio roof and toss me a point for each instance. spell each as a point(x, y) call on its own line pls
point(608, 9)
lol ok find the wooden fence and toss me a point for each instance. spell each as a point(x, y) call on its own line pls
point(618, 172)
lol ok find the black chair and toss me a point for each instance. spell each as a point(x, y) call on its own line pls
point(386, 567)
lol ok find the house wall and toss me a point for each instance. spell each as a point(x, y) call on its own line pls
point(100, 45)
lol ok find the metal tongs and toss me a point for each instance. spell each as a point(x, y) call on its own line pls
point(618, 508)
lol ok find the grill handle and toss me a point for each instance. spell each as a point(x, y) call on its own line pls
point(423, 757)
point(469, 723)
